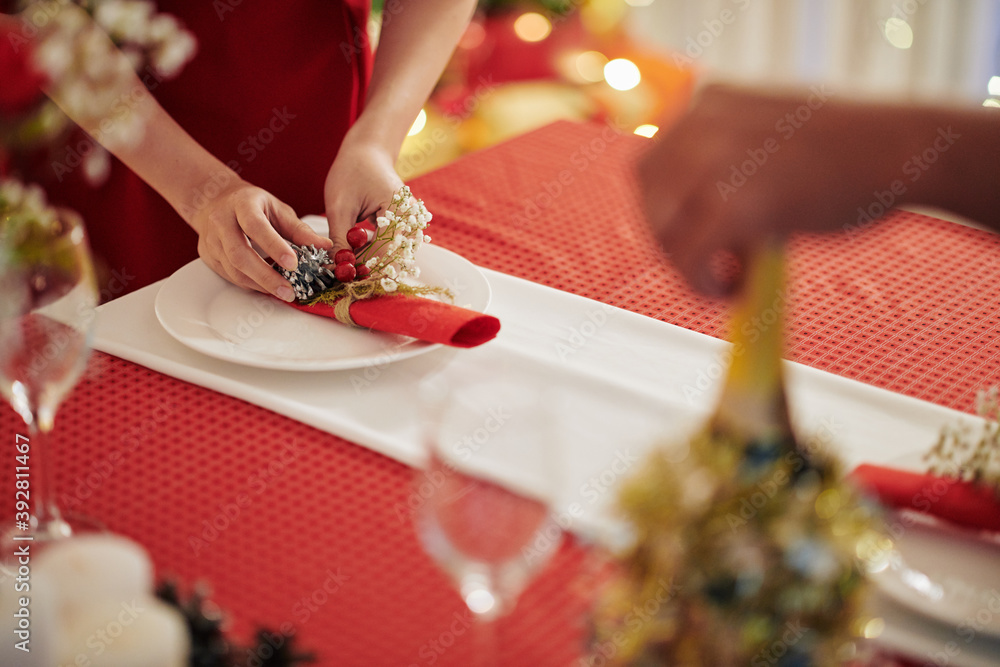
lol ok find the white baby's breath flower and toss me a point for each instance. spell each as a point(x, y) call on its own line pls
point(90, 74)
point(171, 57)
point(389, 250)
point(427, 238)
point(163, 27)
point(97, 166)
point(11, 192)
point(399, 235)
point(54, 57)
point(26, 200)
point(132, 18)
point(109, 13)
point(33, 199)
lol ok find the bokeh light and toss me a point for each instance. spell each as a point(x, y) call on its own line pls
point(874, 628)
point(646, 130)
point(992, 103)
point(994, 86)
point(898, 32)
point(418, 124)
point(590, 65)
point(532, 27)
point(828, 503)
point(622, 74)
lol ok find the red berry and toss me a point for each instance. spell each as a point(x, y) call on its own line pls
point(343, 256)
point(357, 237)
point(366, 224)
point(345, 272)
point(363, 271)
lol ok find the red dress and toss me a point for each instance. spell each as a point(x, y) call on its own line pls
point(271, 91)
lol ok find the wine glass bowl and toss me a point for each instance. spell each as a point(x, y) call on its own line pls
point(488, 486)
point(49, 297)
point(477, 531)
point(39, 365)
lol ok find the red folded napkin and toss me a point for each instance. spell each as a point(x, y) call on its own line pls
point(426, 319)
point(961, 503)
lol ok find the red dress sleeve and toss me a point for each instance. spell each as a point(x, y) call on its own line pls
point(271, 92)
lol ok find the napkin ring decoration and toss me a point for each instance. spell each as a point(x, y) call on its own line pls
point(963, 454)
point(382, 261)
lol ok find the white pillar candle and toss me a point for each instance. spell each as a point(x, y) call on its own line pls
point(93, 567)
point(91, 604)
point(141, 633)
point(39, 620)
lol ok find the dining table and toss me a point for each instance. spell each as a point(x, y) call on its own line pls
point(288, 495)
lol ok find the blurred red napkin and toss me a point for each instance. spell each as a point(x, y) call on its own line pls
point(426, 319)
point(961, 503)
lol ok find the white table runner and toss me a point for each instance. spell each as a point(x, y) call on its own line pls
point(625, 382)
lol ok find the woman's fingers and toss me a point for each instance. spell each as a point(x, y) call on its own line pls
point(291, 227)
point(250, 214)
point(252, 219)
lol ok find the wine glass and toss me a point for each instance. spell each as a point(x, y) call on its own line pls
point(49, 296)
point(486, 490)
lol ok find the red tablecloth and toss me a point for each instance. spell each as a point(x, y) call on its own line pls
point(274, 514)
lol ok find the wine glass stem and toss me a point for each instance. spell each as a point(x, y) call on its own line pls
point(487, 642)
point(45, 510)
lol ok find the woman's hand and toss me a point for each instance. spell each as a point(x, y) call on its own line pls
point(243, 214)
point(360, 184)
point(415, 44)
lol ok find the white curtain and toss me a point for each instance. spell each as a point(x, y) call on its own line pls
point(854, 45)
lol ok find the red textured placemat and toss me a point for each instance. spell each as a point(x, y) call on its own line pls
point(909, 308)
point(288, 524)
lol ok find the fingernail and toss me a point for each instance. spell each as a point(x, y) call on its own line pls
point(289, 261)
point(285, 293)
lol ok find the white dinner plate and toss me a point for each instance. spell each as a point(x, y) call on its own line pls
point(944, 573)
point(214, 317)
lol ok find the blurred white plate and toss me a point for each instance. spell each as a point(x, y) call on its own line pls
point(946, 574)
point(214, 317)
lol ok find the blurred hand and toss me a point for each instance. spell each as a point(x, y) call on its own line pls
point(242, 213)
point(743, 167)
point(359, 185)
